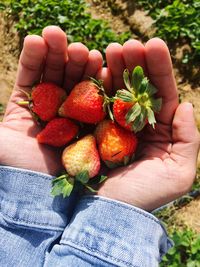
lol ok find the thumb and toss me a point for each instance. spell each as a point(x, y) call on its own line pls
point(186, 138)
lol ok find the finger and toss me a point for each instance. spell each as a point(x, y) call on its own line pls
point(78, 58)
point(31, 61)
point(105, 75)
point(185, 136)
point(115, 62)
point(134, 55)
point(56, 41)
point(159, 67)
point(94, 64)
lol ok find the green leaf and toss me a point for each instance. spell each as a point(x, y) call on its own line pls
point(150, 89)
point(91, 189)
point(97, 180)
point(137, 77)
point(133, 112)
point(82, 177)
point(1, 109)
point(151, 117)
point(140, 121)
point(125, 95)
point(102, 178)
point(55, 180)
point(127, 79)
point(62, 185)
point(143, 86)
point(111, 164)
point(156, 104)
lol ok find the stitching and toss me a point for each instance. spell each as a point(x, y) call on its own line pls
point(124, 206)
point(43, 176)
point(94, 250)
point(31, 223)
point(25, 221)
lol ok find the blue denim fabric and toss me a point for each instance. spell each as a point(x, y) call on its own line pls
point(37, 230)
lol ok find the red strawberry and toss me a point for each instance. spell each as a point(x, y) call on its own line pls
point(116, 145)
point(86, 103)
point(81, 161)
point(58, 132)
point(135, 107)
point(45, 100)
point(120, 109)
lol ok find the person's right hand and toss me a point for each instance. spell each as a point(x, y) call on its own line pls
point(166, 167)
point(49, 58)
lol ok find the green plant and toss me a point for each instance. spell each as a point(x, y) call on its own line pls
point(177, 21)
point(1, 109)
point(186, 250)
point(72, 16)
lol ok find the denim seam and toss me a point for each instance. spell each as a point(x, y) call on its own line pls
point(28, 173)
point(25, 221)
point(126, 207)
point(94, 250)
point(32, 223)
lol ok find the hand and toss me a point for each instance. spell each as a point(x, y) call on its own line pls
point(167, 164)
point(50, 58)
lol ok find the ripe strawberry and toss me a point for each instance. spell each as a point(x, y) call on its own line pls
point(86, 103)
point(58, 132)
point(81, 161)
point(82, 156)
point(135, 107)
point(120, 109)
point(116, 145)
point(45, 100)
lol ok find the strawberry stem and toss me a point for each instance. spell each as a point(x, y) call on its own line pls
point(23, 103)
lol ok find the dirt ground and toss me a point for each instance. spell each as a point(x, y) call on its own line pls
point(121, 17)
point(9, 48)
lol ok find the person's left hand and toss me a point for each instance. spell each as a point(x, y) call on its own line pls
point(46, 58)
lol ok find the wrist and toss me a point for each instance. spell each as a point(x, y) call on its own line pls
point(130, 193)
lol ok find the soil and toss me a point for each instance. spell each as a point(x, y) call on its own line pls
point(121, 16)
point(9, 47)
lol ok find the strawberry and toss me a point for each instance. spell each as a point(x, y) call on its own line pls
point(81, 161)
point(86, 102)
point(116, 145)
point(135, 107)
point(58, 132)
point(120, 109)
point(45, 100)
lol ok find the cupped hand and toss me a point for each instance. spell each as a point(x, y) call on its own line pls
point(46, 58)
point(166, 164)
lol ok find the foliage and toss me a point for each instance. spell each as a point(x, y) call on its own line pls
point(177, 21)
point(186, 250)
point(1, 109)
point(72, 16)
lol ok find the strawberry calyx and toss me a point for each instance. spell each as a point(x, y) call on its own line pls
point(106, 100)
point(140, 92)
point(64, 184)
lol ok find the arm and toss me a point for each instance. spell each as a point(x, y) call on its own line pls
point(30, 219)
point(102, 232)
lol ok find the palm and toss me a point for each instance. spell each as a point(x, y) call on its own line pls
point(165, 165)
point(64, 66)
point(19, 129)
